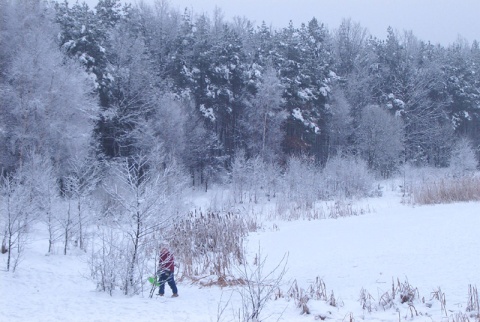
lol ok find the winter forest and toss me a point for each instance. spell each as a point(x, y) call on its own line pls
point(111, 116)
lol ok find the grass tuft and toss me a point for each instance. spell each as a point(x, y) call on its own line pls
point(447, 190)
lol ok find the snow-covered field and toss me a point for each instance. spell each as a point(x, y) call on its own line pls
point(430, 246)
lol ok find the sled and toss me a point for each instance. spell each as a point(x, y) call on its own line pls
point(153, 280)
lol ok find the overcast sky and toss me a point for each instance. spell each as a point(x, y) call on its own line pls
point(440, 21)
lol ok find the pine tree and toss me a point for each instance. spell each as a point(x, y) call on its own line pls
point(305, 63)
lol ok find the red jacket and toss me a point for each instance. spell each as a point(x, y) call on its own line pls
point(166, 262)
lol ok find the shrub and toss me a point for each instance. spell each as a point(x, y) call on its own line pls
point(253, 180)
point(347, 177)
point(260, 285)
point(301, 182)
point(463, 161)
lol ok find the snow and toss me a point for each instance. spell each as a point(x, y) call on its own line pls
point(332, 74)
point(69, 44)
point(430, 246)
point(399, 103)
point(297, 114)
point(324, 91)
point(207, 112)
point(306, 94)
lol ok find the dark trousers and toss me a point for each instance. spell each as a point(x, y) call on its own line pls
point(167, 276)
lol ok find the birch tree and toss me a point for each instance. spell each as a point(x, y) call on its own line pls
point(16, 217)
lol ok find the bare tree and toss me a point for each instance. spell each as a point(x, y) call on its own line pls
point(79, 185)
point(46, 197)
point(16, 217)
point(253, 179)
point(350, 39)
point(149, 198)
point(259, 285)
point(107, 258)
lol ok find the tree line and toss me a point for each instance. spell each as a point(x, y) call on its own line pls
point(115, 81)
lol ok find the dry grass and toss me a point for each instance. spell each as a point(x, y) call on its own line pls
point(460, 317)
point(440, 296)
point(473, 304)
point(405, 293)
point(300, 297)
point(402, 297)
point(332, 209)
point(367, 301)
point(316, 291)
point(211, 243)
point(342, 208)
point(447, 190)
point(472, 313)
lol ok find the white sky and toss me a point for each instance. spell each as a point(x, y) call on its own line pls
point(439, 21)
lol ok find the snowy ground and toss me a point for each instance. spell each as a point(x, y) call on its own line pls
point(431, 246)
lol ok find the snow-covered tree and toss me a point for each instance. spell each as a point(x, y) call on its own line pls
point(84, 34)
point(380, 139)
point(263, 118)
point(304, 62)
point(347, 176)
point(227, 89)
point(16, 217)
point(168, 125)
point(340, 127)
point(203, 152)
point(406, 79)
point(46, 105)
point(461, 68)
point(145, 197)
point(350, 40)
point(79, 184)
point(159, 24)
point(301, 182)
point(42, 180)
point(463, 160)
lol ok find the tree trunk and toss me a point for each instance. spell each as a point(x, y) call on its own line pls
point(80, 225)
point(50, 233)
point(67, 227)
point(136, 242)
point(10, 244)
